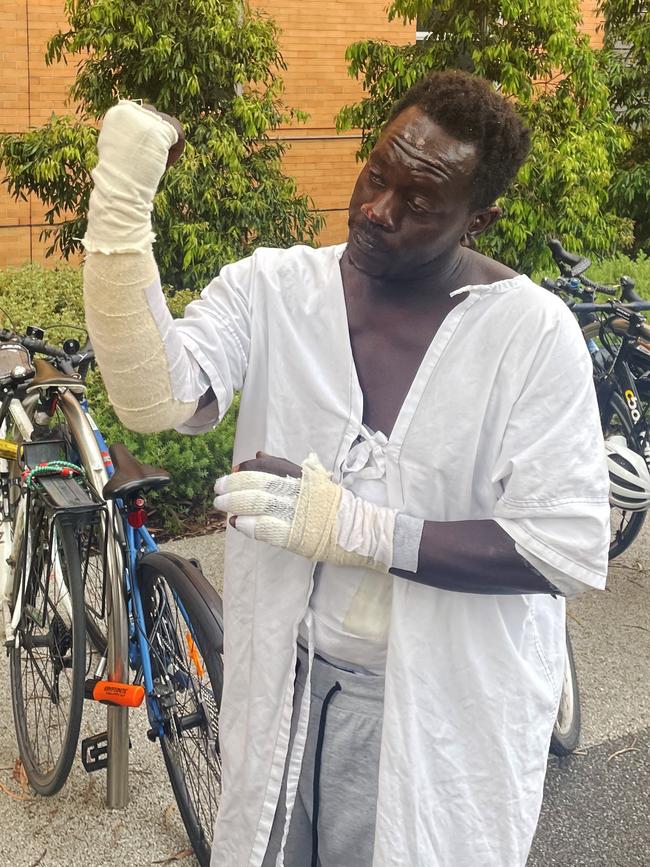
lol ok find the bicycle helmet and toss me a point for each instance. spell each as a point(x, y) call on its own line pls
point(629, 479)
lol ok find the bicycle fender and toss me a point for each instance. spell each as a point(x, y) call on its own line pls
point(190, 581)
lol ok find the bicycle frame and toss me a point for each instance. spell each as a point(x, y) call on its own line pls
point(10, 548)
point(54, 565)
point(620, 378)
point(134, 542)
point(139, 540)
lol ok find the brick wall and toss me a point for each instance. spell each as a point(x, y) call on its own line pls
point(592, 22)
point(313, 42)
point(29, 92)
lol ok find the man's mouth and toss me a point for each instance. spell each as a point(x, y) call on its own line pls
point(366, 242)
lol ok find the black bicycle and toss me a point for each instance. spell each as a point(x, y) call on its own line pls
point(615, 333)
point(618, 339)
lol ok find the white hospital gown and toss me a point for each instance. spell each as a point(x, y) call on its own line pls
point(500, 423)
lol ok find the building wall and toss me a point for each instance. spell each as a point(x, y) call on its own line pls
point(313, 42)
point(29, 92)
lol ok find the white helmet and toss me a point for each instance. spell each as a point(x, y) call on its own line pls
point(629, 479)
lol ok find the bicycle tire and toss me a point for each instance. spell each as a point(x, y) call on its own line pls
point(625, 525)
point(188, 673)
point(566, 731)
point(61, 649)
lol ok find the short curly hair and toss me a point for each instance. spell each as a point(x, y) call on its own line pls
point(468, 108)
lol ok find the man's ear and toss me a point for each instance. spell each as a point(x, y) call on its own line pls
point(482, 221)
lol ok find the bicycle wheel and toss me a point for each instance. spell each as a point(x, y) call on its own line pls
point(566, 731)
point(625, 525)
point(184, 629)
point(48, 656)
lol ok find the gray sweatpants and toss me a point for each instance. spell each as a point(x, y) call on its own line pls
point(338, 776)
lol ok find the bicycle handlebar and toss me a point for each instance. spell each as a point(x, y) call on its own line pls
point(599, 287)
point(560, 254)
point(627, 289)
point(562, 285)
point(610, 306)
point(578, 266)
point(66, 363)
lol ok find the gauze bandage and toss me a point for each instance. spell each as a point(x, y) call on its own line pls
point(317, 518)
point(151, 379)
point(133, 147)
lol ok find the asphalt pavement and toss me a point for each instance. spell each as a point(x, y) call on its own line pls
point(596, 807)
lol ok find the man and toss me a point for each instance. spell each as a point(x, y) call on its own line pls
point(419, 480)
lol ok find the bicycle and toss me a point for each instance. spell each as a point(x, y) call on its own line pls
point(172, 616)
point(42, 586)
point(616, 334)
point(616, 381)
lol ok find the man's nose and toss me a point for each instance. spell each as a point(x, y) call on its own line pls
point(381, 211)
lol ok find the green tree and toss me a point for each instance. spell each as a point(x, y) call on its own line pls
point(214, 65)
point(627, 53)
point(531, 50)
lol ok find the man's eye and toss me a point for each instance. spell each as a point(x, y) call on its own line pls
point(419, 208)
point(376, 178)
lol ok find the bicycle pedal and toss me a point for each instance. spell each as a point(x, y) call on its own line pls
point(94, 752)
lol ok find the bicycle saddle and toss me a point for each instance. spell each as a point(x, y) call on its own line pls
point(130, 475)
point(47, 376)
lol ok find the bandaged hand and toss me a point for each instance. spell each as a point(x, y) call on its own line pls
point(133, 146)
point(313, 516)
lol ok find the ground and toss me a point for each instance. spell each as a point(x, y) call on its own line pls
point(595, 805)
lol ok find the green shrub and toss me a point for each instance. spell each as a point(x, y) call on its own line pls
point(52, 299)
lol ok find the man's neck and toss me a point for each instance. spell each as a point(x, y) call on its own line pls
point(417, 289)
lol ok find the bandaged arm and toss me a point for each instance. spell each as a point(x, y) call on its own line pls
point(153, 381)
point(314, 517)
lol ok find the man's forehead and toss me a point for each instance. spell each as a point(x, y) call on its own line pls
point(421, 138)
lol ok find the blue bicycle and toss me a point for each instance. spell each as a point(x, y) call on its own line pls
point(175, 635)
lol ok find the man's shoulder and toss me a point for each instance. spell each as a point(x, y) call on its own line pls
point(278, 269)
point(498, 279)
point(521, 305)
point(487, 270)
